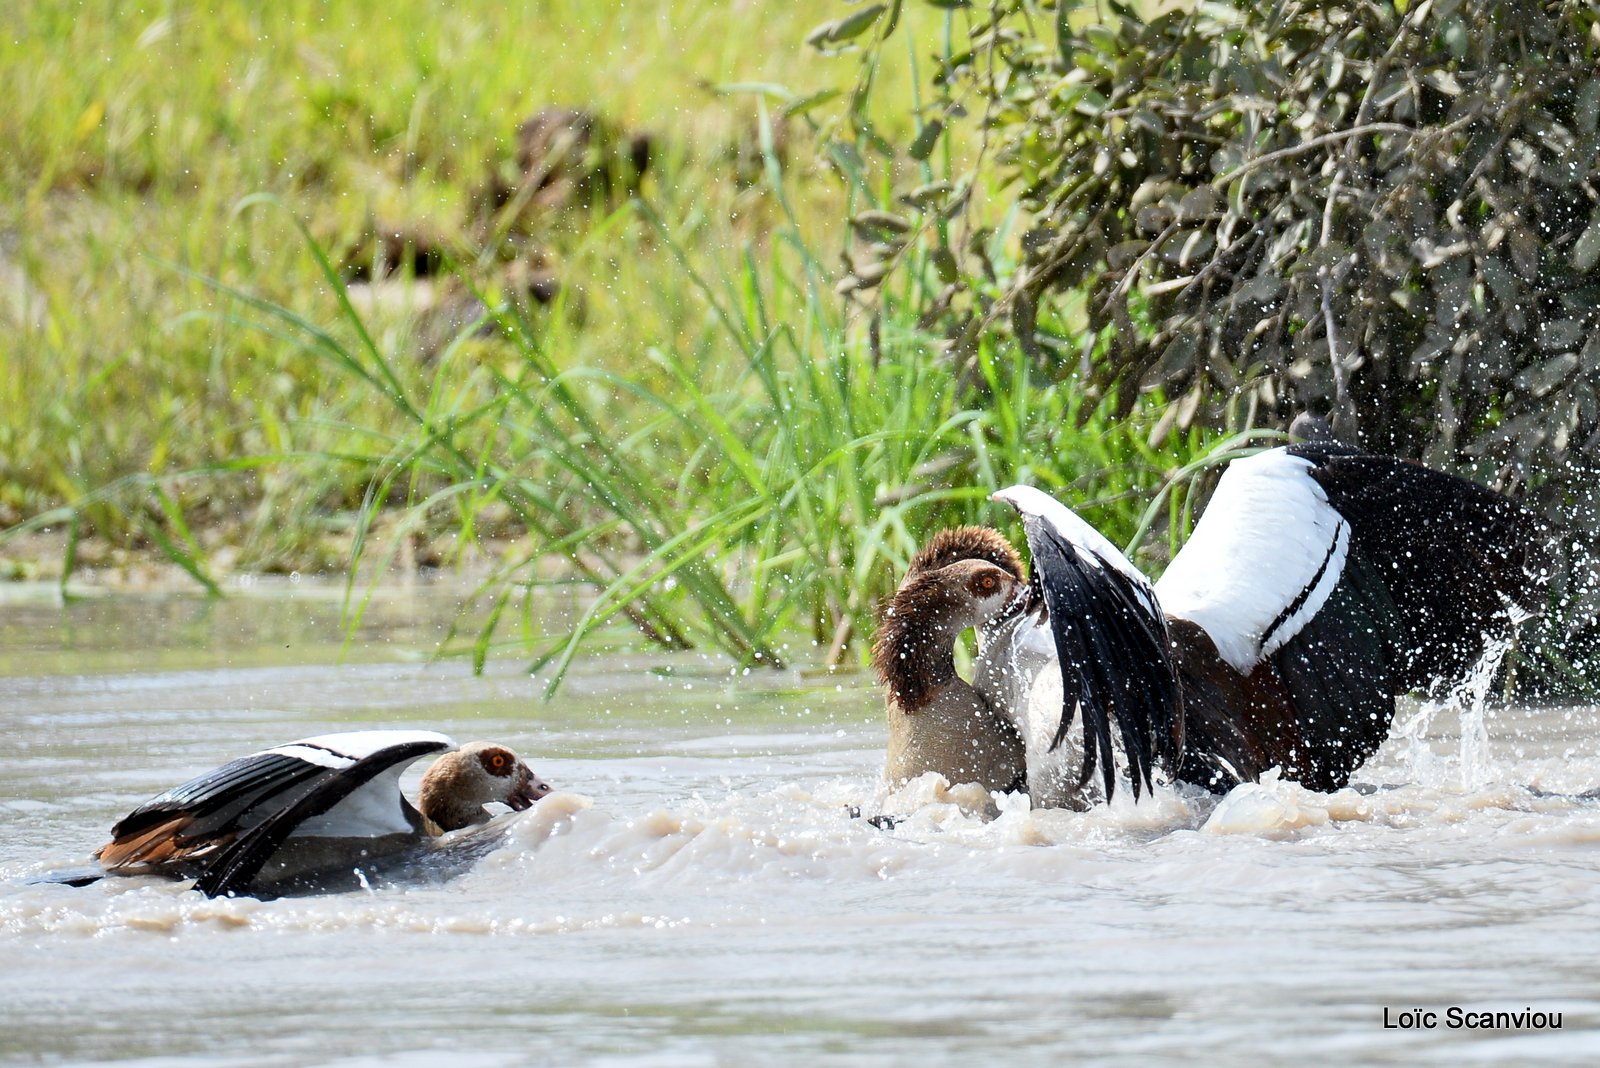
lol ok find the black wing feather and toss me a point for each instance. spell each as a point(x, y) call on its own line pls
point(1115, 660)
point(216, 800)
point(235, 867)
point(1452, 555)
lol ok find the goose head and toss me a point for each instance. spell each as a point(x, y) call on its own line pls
point(967, 543)
point(460, 783)
point(914, 651)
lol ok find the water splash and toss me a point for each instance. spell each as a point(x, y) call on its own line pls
point(1470, 699)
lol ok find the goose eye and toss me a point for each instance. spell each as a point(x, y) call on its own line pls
point(495, 761)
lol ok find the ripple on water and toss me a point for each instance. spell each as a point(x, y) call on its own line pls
point(701, 892)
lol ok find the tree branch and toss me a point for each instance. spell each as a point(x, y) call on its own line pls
point(1333, 137)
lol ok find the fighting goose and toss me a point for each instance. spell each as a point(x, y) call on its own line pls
point(1321, 582)
point(308, 814)
point(937, 721)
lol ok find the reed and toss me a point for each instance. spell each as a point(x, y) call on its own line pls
point(698, 432)
point(756, 482)
point(137, 130)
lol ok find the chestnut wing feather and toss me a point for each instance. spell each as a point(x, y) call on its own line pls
point(207, 812)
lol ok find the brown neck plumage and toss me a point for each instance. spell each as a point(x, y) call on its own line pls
point(446, 797)
point(914, 653)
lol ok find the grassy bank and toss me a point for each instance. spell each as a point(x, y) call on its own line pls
point(135, 136)
point(654, 390)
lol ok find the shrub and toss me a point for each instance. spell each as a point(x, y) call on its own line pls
point(1382, 211)
point(1385, 212)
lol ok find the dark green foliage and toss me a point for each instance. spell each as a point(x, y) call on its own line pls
point(1227, 182)
point(1389, 217)
point(1385, 212)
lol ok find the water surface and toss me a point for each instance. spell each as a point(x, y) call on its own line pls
point(696, 892)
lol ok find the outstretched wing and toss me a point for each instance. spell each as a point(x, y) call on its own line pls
point(211, 811)
point(1279, 534)
point(1462, 563)
point(1263, 559)
point(1348, 578)
point(330, 797)
point(1110, 641)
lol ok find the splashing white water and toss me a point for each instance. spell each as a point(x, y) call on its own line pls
point(1470, 699)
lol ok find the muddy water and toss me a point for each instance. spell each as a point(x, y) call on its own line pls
point(696, 893)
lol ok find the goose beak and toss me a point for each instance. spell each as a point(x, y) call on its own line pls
point(529, 790)
point(1016, 606)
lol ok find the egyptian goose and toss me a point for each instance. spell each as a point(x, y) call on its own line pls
point(308, 814)
point(937, 721)
point(1321, 582)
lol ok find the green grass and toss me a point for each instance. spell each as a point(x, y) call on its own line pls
point(133, 136)
point(755, 483)
point(699, 428)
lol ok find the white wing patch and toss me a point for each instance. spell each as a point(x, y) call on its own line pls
point(371, 811)
point(346, 747)
point(1262, 561)
point(1019, 674)
point(1013, 658)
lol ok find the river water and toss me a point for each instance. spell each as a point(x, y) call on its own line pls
point(697, 893)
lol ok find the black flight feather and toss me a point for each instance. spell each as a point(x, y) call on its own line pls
point(1115, 664)
point(216, 800)
point(235, 867)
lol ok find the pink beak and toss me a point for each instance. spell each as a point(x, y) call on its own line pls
point(530, 789)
